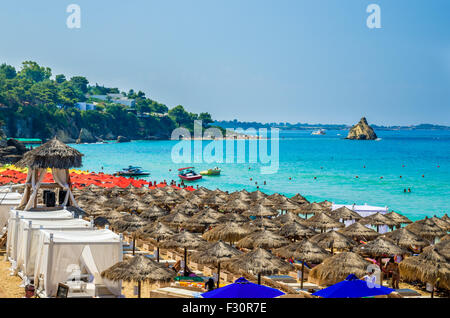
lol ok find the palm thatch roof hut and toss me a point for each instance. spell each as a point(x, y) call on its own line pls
point(406, 239)
point(333, 240)
point(228, 232)
point(427, 267)
point(357, 231)
point(258, 262)
point(139, 269)
point(336, 268)
point(57, 156)
point(296, 231)
point(344, 214)
point(263, 239)
point(215, 253)
point(323, 222)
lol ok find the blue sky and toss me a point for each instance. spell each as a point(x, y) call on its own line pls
point(255, 60)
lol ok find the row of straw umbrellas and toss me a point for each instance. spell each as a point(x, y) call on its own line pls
point(256, 233)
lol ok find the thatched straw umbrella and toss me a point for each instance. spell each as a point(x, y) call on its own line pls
point(262, 223)
point(426, 228)
point(233, 217)
point(237, 206)
point(194, 199)
point(445, 238)
point(186, 207)
point(260, 211)
point(344, 214)
point(398, 218)
point(185, 240)
point(323, 222)
point(335, 269)
point(295, 231)
point(313, 208)
point(129, 224)
point(52, 154)
point(305, 251)
point(215, 253)
point(241, 196)
point(288, 218)
point(139, 269)
point(406, 239)
point(443, 224)
point(228, 232)
point(213, 201)
point(202, 220)
point(157, 232)
point(299, 199)
point(332, 240)
point(359, 232)
point(381, 247)
point(446, 217)
point(326, 204)
point(153, 212)
point(289, 205)
point(258, 261)
point(377, 219)
point(267, 202)
point(443, 247)
point(263, 239)
point(174, 219)
point(429, 267)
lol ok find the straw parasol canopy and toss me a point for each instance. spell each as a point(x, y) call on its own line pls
point(233, 217)
point(323, 221)
point(427, 228)
point(263, 239)
point(406, 239)
point(295, 231)
point(336, 268)
point(377, 219)
point(445, 238)
point(299, 199)
point(257, 195)
point(153, 212)
point(443, 224)
point(237, 206)
point(174, 219)
point(381, 246)
point(258, 261)
point(326, 204)
point(52, 154)
point(262, 223)
point(158, 231)
point(344, 213)
point(333, 240)
point(239, 195)
point(443, 247)
point(228, 232)
point(313, 208)
point(139, 269)
point(428, 267)
point(288, 218)
point(215, 253)
point(129, 223)
point(213, 200)
point(304, 251)
point(260, 211)
point(398, 218)
point(446, 217)
point(358, 231)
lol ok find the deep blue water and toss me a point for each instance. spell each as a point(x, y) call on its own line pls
point(334, 162)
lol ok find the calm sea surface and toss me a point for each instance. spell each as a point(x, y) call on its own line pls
point(320, 167)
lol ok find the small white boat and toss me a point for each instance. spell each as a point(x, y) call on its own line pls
point(319, 132)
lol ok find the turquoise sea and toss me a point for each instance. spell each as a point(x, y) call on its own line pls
point(420, 157)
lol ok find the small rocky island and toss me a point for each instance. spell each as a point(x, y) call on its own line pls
point(11, 150)
point(362, 131)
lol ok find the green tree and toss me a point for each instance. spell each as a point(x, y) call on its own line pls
point(60, 78)
point(33, 71)
point(8, 71)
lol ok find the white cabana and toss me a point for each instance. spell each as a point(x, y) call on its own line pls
point(8, 199)
point(65, 256)
point(364, 210)
point(28, 239)
point(13, 223)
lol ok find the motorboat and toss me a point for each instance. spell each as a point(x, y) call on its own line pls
point(188, 174)
point(211, 172)
point(132, 172)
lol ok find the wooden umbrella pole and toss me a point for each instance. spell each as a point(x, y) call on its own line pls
point(185, 261)
point(259, 278)
point(157, 250)
point(134, 244)
point(139, 289)
point(218, 274)
point(301, 278)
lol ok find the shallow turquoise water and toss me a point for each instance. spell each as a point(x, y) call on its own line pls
point(334, 162)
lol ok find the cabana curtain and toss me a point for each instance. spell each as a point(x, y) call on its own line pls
point(32, 175)
point(62, 178)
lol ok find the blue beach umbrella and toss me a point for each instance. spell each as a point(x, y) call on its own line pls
point(242, 288)
point(352, 287)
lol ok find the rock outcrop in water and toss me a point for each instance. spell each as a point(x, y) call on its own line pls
point(362, 131)
point(85, 137)
point(11, 151)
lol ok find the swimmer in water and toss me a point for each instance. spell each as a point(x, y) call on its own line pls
point(409, 190)
point(265, 183)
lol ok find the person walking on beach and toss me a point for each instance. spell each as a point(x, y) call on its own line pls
point(209, 285)
point(392, 268)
